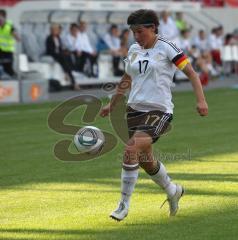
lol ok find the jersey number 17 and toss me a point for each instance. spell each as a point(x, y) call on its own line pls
point(143, 66)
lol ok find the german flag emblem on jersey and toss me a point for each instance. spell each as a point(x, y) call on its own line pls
point(181, 60)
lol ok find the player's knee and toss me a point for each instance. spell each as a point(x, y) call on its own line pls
point(131, 151)
point(132, 145)
point(135, 146)
point(140, 142)
point(130, 154)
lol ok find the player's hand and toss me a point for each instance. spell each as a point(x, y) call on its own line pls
point(106, 110)
point(202, 108)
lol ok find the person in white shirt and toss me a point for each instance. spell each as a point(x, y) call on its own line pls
point(55, 49)
point(195, 56)
point(70, 39)
point(212, 40)
point(83, 43)
point(215, 44)
point(78, 43)
point(201, 41)
point(113, 42)
point(220, 37)
point(185, 41)
point(149, 71)
point(69, 42)
point(204, 58)
point(168, 28)
point(112, 39)
point(86, 51)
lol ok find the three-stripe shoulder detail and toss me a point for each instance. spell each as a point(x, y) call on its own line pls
point(171, 44)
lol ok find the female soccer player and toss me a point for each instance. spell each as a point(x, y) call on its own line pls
point(150, 67)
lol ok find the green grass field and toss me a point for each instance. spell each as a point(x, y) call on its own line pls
point(44, 198)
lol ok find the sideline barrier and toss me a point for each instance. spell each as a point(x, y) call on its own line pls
point(31, 91)
point(9, 91)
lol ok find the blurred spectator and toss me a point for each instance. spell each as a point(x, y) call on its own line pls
point(185, 41)
point(220, 37)
point(198, 59)
point(125, 41)
point(216, 3)
point(86, 52)
point(84, 57)
point(70, 43)
point(54, 48)
point(229, 39)
point(113, 42)
point(215, 45)
point(202, 66)
point(235, 34)
point(200, 41)
point(8, 35)
point(70, 39)
point(230, 66)
point(181, 24)
point(168, 28)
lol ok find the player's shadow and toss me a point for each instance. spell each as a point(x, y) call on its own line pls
point(209, 224)
point(141, 187)
point(219, 177)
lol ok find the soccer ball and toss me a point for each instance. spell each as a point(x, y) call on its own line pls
point(89, 139)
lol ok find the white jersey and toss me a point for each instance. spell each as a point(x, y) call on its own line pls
point(152, 72)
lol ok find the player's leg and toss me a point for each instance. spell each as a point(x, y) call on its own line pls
point(157, 172)
point(129, 175)
point(156, 169)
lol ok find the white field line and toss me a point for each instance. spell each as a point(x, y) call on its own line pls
point(4, 113)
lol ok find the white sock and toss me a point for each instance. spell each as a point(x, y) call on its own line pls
point(163, 180)
point(129, 177)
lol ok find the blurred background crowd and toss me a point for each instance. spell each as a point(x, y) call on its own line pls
point(77, 46)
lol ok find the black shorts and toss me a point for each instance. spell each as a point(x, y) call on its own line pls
point(154, 123)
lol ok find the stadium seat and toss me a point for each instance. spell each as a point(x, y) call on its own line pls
point(226, 54)
point(105, 66)
point(93, 37)
point(229, 55)
point(65, 16)
point(101, 30)
point(35, 17)
point(41, 31)
point(94, 17)
point(25, 71)
point(34, 60)
point(118, 17)
point(235, 53)
point(50, 71)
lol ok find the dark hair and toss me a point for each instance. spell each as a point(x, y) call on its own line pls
point(228, 37)
point(182, 32)
point(220, 27)
point(214, 30)
point(144, 16)
point(124, 31)
point(3, 12)
point(73, 25)
point(113, 26)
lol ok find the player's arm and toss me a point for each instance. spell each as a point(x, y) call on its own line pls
point(202, 106)
point(181, 61)
point(121, 89)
